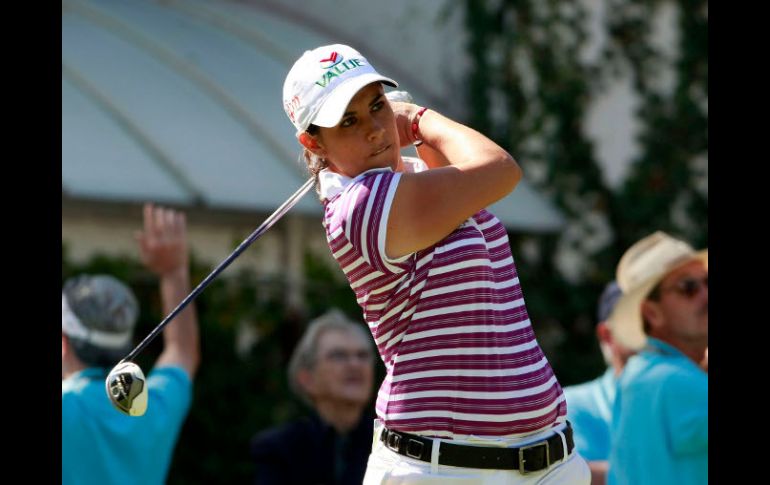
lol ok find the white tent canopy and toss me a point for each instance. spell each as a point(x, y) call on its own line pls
point(179, 102)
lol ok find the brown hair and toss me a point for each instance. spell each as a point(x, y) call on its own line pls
point(314, 163)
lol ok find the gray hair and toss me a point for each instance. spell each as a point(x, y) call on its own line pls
point(99, 314)
point(305, 355)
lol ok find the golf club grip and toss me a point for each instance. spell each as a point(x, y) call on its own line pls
point(267, 224)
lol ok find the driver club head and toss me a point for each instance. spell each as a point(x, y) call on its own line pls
point(401, 96)
point(127, 388)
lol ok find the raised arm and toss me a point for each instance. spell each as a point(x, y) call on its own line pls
point(163, 248)
point(468, 172)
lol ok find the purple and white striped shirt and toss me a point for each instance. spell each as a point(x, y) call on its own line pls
point(449, 321)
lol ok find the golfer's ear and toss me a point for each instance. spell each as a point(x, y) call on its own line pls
point(310, 142)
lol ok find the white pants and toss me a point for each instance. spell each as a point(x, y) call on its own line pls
point(387, 467)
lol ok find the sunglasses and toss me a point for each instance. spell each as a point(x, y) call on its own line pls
point(688, 287)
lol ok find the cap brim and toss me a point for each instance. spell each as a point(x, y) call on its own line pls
point(626, 322)
point(334, 106)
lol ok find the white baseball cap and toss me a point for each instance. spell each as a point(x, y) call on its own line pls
point(322, 82)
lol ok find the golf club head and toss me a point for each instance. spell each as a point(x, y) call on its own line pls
point(127, 388)
point(401, 96)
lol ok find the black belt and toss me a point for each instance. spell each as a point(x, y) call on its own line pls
point(526, 459)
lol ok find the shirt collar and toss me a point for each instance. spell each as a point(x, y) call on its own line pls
point(332, 183)
point(662, 347)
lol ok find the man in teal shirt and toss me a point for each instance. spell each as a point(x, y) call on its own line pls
point(100, 445)
point(660, 418)
point(589, 405)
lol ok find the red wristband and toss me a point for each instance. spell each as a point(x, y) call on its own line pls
point(416, 126)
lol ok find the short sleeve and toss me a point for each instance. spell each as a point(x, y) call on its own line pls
point(362, 212)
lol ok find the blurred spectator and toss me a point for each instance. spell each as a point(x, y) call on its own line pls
point(100, 445)
point(331, 370)
point(660, 419)
point(589, 405)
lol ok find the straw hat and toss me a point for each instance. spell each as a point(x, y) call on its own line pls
point(640, 269)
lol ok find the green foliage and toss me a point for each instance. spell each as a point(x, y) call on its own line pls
point(325, 289)
point(662, 191)
point(529, 89)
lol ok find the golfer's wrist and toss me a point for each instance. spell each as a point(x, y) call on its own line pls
point(414, 126)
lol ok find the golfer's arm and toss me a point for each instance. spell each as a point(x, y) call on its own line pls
point(432, 157)
point(468, 172)
point(181, 341)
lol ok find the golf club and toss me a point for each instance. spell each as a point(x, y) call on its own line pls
point(401, 96)
point(126, 384)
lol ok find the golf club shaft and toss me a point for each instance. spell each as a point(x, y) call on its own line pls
point(272, 219)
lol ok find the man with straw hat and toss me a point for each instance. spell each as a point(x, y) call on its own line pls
point(660, 417)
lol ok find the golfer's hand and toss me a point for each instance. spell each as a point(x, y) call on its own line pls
point(404, 114)
point(163, 241)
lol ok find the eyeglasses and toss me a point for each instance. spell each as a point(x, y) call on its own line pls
point(339, 356)
point(689, 287)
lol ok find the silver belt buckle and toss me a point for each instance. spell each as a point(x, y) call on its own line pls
point(417, 454)
point(392, 441)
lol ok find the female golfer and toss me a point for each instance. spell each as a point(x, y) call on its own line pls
point(469, 396)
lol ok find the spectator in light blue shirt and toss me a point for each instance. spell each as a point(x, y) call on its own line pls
point(100, 445)
point(589, 405)
point(660, 418)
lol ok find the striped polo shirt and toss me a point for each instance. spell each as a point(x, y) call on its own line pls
point(449, 321)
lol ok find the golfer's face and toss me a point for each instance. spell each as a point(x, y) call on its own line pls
point(365, 138)
point(345, 367)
